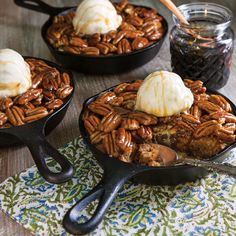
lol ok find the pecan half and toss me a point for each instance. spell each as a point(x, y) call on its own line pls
point(107, 38)
point(56, 30)
point(220, 101)
point(225, 136)
point(5, 103)
point(154, 35)
point(228, 117)
point(3, 118)
point(49, 80)
point(91, 123)
point(135, 21)
point(78, 42)
point(120, 35)
point(28, 96)
point(15, 115)
point(127, 26)
point(129, 104)
point(183, 127)
point(110, 144)
point(37, 79)
point(37, 65)
point(38, 100)
point(92, 51)
point(106, 48)
point(63, 41)
point(106, 97)
point(134, 86)
point(124, 140)
point(35, 114)
point(190, 119)
point(48, 95)
point(121, 5)
point(207, 128)
point(54, 104)
point(100, 108)
point(148, 27)
point(124, 46)
point(128, 95)
point(86, 114)
point(209, 106)
point(110, 122)
point(150, 13)
point(132, 34)
point(97, 137)
point(145, 133)
point(117, 101)
point(130, 124)
point(196, 111)
point(27, 106)
point(143, 118)
point(110, 98)
point(120, 88)
point(64, 92)
point(72, 50)
point(231, 127)
point(195, 86)
point(129, 9)
point(65, 78)
point(94, 39)
point(139, 42)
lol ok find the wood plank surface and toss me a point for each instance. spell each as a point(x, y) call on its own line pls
point(20, 30)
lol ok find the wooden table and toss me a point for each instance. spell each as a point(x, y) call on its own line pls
point(20, 30)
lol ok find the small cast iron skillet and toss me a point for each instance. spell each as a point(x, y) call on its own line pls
point(92, 64)
point(33, 136)
point(116, 173)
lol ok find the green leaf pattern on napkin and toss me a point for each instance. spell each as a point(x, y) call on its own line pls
point(206, 207)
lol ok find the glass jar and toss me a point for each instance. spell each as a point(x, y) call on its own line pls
point(203, 49)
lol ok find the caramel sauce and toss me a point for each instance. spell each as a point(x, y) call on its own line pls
point(14, 87)
point(207, 58)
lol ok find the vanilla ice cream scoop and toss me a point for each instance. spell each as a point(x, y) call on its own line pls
point(96, 16)
point(163, 94)
point(15, 77)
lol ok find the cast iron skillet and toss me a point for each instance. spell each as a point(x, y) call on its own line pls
point(33, 136)
point(116, 173)
point(92, 64)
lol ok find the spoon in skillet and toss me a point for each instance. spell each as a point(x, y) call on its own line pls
point(169, 157)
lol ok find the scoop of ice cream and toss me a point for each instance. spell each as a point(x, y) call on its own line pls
point(96, 16)
point(163, 94)
point(15, 77)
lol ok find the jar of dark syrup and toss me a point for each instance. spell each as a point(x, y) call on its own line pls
point(203, 49)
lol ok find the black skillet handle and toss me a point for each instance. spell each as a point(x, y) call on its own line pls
point(40, 150)
point(105, 192)
point(40, 6)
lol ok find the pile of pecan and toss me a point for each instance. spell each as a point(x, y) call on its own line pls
point(47, 93)
point(140, 28)
point(116, 129)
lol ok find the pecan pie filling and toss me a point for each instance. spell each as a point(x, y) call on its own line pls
point(140, 28)
point(47, 93)
point(116, 129)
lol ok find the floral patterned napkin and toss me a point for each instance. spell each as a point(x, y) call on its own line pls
point(205, 207)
